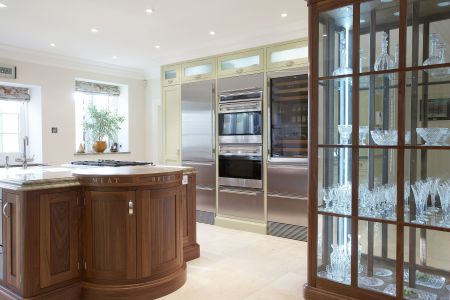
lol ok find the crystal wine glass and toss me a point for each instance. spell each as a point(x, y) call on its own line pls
point(363, 133)
point(345, 132)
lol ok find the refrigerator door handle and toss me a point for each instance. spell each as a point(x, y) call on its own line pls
point(213, 120)
point(238, 192)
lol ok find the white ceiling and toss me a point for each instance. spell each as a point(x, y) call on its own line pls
point(180, 27)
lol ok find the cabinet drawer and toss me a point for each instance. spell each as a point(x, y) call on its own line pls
point(199, 70)
point(241, 63)
point(288, 55)
point(241, 203)
point(171, 75)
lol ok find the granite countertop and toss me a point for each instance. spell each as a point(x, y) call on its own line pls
point(64, 175)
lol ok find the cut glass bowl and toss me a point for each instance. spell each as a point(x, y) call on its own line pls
point(432, 136)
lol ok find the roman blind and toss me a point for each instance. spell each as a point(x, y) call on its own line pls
point(14, 93)
point(97, 88)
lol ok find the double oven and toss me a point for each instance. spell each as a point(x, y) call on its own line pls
point(240, 128)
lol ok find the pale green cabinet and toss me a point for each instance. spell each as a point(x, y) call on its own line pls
point(199, 70)
point(241, 63)
point(171, 115)
point(171, 75)
point(288, 55)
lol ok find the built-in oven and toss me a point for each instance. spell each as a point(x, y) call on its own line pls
point(240, 166)
point(240, 116)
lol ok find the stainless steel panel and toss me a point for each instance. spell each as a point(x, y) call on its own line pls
point(239, 182)
point(240, 150)
point(240, 139)
point(287, 179)
point(206, 172)
point(288, 209)
point(241, 203)
point(244, 106)
point(242, 82)
point(206, 199)
point(197, 110)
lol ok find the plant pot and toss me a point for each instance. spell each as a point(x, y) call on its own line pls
point(99, 146)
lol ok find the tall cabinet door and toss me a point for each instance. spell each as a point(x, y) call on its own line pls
point(172, 125)
point(160, 241)
point(110, 235)
point(58, 237)
point(12, 228)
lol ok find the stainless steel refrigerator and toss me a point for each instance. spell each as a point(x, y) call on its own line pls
point(198, 143)
point(287, 166)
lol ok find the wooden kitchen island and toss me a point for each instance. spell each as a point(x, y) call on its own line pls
point(97, 233)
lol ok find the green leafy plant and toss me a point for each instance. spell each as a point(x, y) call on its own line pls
point(101, 123)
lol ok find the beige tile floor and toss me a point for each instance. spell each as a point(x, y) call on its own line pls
point(238, 265)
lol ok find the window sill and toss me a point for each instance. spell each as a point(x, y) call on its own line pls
point(104, 153)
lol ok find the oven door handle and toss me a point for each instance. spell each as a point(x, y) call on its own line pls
point(238, 192)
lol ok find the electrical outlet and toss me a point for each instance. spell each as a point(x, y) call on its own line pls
point(54, 129)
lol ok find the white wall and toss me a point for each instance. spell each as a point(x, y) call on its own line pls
point(153, 116)
point(58, 110)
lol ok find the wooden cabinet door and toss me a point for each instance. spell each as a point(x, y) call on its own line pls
point(160, 242)
point(241, 63)
point(59, 225)
point(171, 75)
point(172, 125)
point(110, 235)
point(288, 55)
point(12, 247)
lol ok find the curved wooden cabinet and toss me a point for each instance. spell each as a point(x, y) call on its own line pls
point(121, 236)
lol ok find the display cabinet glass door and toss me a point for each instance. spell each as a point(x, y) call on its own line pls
point(289, 116)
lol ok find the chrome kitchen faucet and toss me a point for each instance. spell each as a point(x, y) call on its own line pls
point(24, 160)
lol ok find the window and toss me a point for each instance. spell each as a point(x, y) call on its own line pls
point(12, 125)
point(103, 96)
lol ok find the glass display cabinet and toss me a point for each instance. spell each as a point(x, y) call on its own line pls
point(379, 182)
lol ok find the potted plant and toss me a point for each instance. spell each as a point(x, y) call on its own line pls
point(101, 123)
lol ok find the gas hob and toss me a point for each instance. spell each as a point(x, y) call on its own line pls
point(110, 163)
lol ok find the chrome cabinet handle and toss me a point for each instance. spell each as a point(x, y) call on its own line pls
point(289, 63)
point(130, 208)
point(204, 188)
point(170, 80)
point(238, 192)
point(4, 209)
point(287, 196)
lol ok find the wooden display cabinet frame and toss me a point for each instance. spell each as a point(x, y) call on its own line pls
point(320, 288)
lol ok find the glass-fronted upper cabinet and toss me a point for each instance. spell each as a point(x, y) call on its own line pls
point(171, 74)
point(379, 181)
point(199, 70)
point(241, 63)
point(287, 55)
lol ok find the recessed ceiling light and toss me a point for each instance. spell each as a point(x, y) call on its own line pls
point(94, 30)
point(2, 5)
point(397, 13)
point(212, 32)
point(443, 4)
point(114, 57)
point(149, 10)
point(157, 46)
point(325, 35)
point(52, 45)
point(284, 15)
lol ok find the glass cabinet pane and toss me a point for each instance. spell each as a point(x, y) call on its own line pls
point(334, 180)
point(335, 111)
point(427, 263)
point(378, 109)
point(289, 54)
point(377, 191)
point(240, 63)
point(335, 42)
point(170, 74)
point(427, 34)
point(379, 32)
point(377, 256)
point(427, 106)
point(334, 249)
point(198, 70)
point(427, 187)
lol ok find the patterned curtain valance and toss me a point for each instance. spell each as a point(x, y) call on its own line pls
point(14, 93)
point(97, 88)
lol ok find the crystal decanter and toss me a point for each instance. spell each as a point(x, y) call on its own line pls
point(384, 61)
point(343, 58)
point(437, 56)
